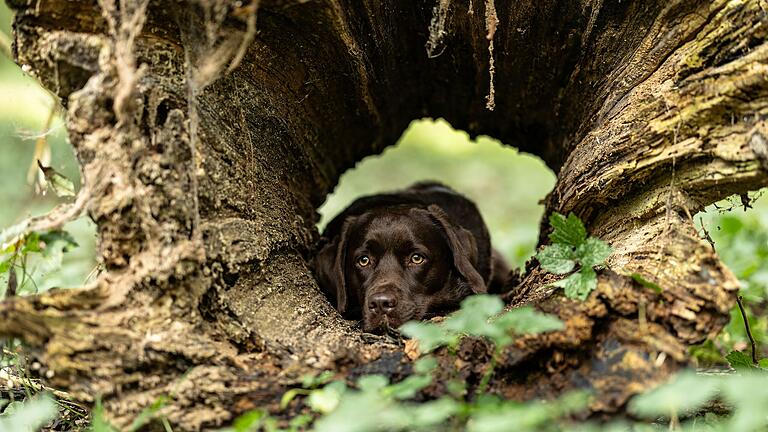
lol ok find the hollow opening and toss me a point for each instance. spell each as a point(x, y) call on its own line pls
point(507, 185)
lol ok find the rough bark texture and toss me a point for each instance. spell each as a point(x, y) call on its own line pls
point(209, 131)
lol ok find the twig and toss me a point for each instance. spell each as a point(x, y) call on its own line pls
point(749, 331)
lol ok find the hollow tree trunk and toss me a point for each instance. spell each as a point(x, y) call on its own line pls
point(208, 132)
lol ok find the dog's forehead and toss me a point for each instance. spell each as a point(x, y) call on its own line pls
point(397, 225)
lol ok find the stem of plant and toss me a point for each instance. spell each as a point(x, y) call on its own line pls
point(749, 331)
point(488, 374)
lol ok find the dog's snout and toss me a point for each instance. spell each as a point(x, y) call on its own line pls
point(382, 303)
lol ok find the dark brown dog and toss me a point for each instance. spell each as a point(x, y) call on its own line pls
point(394, 257)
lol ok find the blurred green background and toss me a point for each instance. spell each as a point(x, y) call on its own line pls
point(506, 185)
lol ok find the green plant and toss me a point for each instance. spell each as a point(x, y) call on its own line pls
point(49, 248)
point(27, 416)
point(570, 247)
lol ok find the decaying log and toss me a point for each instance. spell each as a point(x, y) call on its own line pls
point(208, 132)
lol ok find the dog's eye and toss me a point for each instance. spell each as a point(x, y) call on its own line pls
point(417, 259)
point(363, 261)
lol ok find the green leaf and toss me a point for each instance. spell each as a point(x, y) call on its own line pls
point(557, 258)
point(425, 365)
point(30, 415)
point(61, 186)
point(372, 383)
point(98, 422)
point(249, 421)
point(327, 399)
point(147, 414)
point(579, 285)
point(429, 335)
point(408, 387)
point(433, 412)
point(748, 392)
point(593, 252)
point(686, 392)
point(763, 363)
point(739, 360)
point(568, 231)
point(637, 277)
point(312, 381)
point(527, 320)
point(473, 316)
point(290, 395)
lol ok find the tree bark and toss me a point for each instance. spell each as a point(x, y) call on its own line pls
point(208, 132)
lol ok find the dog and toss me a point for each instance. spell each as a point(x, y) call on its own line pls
point(406, 255)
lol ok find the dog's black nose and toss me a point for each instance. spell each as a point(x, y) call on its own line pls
point(382, 303)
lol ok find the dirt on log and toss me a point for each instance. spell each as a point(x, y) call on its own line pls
point(209, 131)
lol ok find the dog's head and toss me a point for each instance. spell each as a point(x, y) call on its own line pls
point(394, 264)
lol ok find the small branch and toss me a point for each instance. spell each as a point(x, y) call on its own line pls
point(749, 331)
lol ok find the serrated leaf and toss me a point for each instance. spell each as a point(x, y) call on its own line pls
point(569, 231)
point(637, 277)
point(739, 360)
point(473, 316)
point(61, 185)
point(429, 335)
point(593, 252)
point(556, 258)
point(579, 285)
point(527, 320)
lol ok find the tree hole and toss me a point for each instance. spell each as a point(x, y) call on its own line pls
point(507, 185)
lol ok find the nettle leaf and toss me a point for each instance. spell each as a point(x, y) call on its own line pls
point(686, 392)
point(593, 252)
point(61, 185)
point(739, 360)
point(568, 231)
point(527, 320)
point(429, 335)
point(579, 285)
point(557, 258)
point(473, 316)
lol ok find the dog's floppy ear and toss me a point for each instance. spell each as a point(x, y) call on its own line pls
point(463, 247)
point(329, 267)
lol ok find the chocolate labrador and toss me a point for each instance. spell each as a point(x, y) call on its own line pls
point(406, 255)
